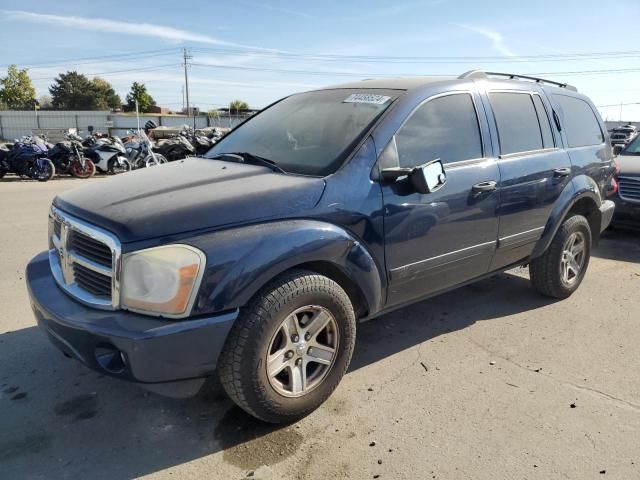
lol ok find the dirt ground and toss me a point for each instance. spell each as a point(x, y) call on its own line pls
point(491, 381)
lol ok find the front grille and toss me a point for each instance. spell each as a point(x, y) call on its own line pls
point(92, 281)
point(629, 188)
point(90, 248)
point(84, 260)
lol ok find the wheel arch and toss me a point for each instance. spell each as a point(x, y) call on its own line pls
point(581, 197)
point(240, 262)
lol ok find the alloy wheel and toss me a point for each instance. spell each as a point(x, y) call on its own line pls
point(302, 351)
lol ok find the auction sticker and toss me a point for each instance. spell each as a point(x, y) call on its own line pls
point(366, 98)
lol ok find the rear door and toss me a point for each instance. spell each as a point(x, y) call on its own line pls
point(440, 239)
point(534, 169)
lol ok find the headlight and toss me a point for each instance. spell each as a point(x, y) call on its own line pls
point(162, 281)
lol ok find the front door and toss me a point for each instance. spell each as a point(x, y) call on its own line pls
point(436, 240)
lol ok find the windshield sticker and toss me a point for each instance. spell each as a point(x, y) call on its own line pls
point(366, 98)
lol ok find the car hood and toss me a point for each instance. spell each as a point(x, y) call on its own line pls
point(629, 164)
point(188, 195)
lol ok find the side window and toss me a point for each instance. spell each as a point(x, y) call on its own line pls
point(445, 127)
point(580, 123)
point(517, 122)
point(543, 120)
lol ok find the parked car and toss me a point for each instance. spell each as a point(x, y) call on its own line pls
point(621, 136)
point(327, 208)
point(627, 189)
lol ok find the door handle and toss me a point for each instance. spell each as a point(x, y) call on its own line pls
point(562, 172)
point(485, 186)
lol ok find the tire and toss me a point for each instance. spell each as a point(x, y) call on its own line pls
point(548, 272)
point(150, 162)
point(45, 173)
point(257, 338)
point(88, 171)
point(114, 167)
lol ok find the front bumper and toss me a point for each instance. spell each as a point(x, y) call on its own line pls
point(627, 214)
point(178, 355)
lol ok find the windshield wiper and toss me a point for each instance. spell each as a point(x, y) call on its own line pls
point(246, 157)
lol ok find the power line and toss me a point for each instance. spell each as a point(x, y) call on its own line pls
point(425, 59)
point(99, 59)
point(114, 72)
point(385, 74)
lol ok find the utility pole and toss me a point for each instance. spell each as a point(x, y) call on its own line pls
point(182, 90)
point(186, 57)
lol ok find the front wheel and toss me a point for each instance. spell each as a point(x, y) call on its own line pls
point(119, 165)
point(560, 270)
point(153, 160)
point(83, 171)
point(289, 348)
point(42, 170)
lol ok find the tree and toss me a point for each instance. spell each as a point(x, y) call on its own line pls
point(16, 89)
point(45, 102)
point(237, 106)
point(139, 92)
point(106, 96)
point(73, 91)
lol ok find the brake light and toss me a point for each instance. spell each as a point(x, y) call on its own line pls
point(616, 167)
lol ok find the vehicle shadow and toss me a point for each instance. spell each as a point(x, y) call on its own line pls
point(619, 244)
point(59, 419)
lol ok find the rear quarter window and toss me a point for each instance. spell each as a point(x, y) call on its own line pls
point(579, 122)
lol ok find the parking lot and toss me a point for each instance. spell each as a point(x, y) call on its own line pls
point(489, 381)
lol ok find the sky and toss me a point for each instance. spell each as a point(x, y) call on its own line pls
point(261, 51)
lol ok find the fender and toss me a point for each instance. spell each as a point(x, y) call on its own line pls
point(242, 260)
point(580, 187)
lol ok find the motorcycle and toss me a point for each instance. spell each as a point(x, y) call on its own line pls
point(107, 154)
point(140, 152)
point(68, 157)
point(27, 158)
point(175, 148)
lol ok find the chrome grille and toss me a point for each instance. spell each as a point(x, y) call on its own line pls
point(92, 281)
point(629, 188)
point(85, 260)
point(90, 248)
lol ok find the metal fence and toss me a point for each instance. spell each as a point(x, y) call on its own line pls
point(15, 124)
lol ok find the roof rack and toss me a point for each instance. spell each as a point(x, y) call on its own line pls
point(515, 76)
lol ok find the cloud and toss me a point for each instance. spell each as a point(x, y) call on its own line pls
point(117, 26)
point(497, 40)
point(273, 8)
point(399, 8)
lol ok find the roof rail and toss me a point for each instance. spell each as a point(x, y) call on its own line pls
point(514, 76)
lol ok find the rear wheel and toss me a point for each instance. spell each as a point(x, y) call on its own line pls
point(80, 171)
point(560, 270)
point(289, 348)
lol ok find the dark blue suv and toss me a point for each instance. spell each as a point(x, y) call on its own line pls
point(327, 208)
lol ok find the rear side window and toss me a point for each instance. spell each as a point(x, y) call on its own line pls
point(543, 119)
point(580, 123)
point(445, 127)
point(517, 122)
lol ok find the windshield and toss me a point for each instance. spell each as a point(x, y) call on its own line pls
point(633, 148)
point(309, 133)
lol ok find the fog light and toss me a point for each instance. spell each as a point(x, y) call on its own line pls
point(111, 359)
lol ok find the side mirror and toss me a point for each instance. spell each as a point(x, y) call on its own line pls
point(426, 178)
